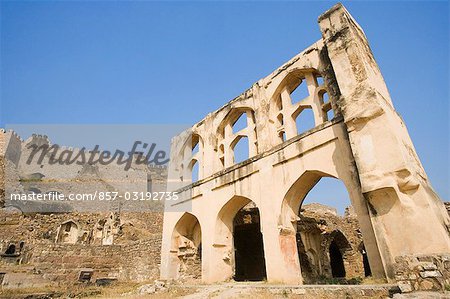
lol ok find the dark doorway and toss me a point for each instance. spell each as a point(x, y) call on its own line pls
point(336, 261)
point(11, 249)
point(248, 246)
point(367, 271)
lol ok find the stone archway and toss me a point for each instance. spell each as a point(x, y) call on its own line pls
point(238, 239)
point(331, 248)
point(250, 264)
point(340, 255)
point(186, 260)
point(67, 233)
point(365, 144)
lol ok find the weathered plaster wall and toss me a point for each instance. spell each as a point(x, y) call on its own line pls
point(392, 178)
point(365, 144)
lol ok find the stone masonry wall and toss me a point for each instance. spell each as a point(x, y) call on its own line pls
point(423, 272)
point(134, 255)
point(319, 226)
point(138, 261)
point(42, 228)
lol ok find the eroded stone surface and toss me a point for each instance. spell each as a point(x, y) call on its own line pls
point(355, 136)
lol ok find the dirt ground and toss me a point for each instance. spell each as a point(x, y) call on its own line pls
point(230, 290)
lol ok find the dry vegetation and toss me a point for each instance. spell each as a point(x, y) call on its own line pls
point(116, 290)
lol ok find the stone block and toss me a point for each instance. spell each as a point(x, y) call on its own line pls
point(429, 266)
point(426, 285)
point(298, 291)
point(147, 289)
point(427, 274)
point(405, 287)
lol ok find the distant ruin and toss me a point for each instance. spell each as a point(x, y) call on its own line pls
point(45, 243)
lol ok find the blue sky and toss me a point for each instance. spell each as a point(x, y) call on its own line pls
point(173, 62)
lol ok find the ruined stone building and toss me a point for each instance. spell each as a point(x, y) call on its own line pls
point(25, 173)
point(319, 228)
point(329, 245)
point(241, 220)
point(45, 243)
point(244, 218)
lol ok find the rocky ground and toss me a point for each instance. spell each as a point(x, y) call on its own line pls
point(162, 290)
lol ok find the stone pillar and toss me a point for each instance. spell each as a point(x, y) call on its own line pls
point(228, 151)
point(314, 99)
point(199, 157)
point(251, 134)
point(280, 248)
point(407, 216)
point(167, 270)
point(289, 122)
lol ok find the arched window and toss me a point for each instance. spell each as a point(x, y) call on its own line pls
point(327, 110)
point(237, 137)
point(300, 92)
point(191, 166)
point(240, 123)
point(194, 171)
point(300, 104)
point(304, 121)
point(68, 233)
point(241, 150)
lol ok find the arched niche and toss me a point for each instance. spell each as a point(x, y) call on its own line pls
point(186, 248)
point(67, 233)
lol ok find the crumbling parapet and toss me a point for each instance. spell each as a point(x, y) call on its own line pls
point(11, 147)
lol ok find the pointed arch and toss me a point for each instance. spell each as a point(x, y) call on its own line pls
point(238, 238)
point(67, 232)
point(229, 136)
point(186, 247)
point(192, 152)
point(296, 195)
point(338, 247)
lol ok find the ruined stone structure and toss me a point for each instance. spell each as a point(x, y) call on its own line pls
point(244, 219)
point(356, 137)
point(329, 245)
point(42, 245)
point(23, 177)
point(35, 251)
